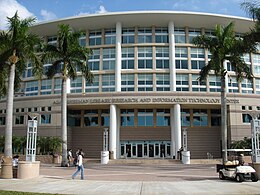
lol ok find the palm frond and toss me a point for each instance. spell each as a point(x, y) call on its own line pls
point(54, 68)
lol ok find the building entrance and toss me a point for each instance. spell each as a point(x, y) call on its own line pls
point(145, 149)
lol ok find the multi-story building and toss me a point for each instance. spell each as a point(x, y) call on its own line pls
point(145, 89)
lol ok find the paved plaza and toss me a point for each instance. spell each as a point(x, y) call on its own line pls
point(139, 179)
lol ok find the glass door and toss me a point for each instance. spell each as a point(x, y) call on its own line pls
point(139, 150)
point(128, 150)
point(151, 150)
point(157, 150)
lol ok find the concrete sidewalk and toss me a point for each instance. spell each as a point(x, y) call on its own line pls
point(131, 179)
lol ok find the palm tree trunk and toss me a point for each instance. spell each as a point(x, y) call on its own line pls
point(64, 121)
point(9, 113)
point(224, 118)
point(7, 170)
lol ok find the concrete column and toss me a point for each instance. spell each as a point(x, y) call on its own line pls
point(118, 133)
point(175, 129)
point(113, 132)
point(173, 150)
point(118, 57)
point(172, 56)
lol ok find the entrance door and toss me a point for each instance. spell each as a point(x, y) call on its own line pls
point(162, 150)
point(128, 150)
point(139, 150)
point(151, 150)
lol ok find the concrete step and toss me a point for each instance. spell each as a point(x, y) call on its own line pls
point(152, 161)
point(144, 161)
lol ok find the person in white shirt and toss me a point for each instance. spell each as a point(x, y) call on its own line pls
point(80, 167)
point(69, 157)
point(15, 160)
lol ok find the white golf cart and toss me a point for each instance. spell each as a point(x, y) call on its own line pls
point(236, 170)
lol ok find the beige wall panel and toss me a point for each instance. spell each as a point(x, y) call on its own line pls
point(238, 132)
point(89, 139)
point(203, 140)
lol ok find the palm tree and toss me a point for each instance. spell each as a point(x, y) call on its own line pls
point(17, 46)
point(68, 55)
point(224, 46)
point(253, 10)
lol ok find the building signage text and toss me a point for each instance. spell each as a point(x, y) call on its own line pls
point(147, 100)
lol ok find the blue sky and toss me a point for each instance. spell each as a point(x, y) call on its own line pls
point(45, 10)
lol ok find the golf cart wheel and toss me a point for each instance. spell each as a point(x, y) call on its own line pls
point(254, 177)
point(239, 178)
point(221, 176)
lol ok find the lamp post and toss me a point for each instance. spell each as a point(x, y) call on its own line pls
point(185, 153)
point(105, 152)
point(31, 137)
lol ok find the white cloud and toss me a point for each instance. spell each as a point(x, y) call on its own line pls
point(47, 15)
point(101, 10)
point(8, 9)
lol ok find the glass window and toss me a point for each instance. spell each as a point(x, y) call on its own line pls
point(45, 119)
point(105, 119)
point(162, 57)
point(28, 72)
point(110, 36)
point(181, 58)
point(197, 85)
point(193, 33)
point(179, 35)
point(215, 117)
point(210, 33)
point(182, 82)
point(230, 67)
point(145, 117)
point(94, 60)
point(185, 117)
point(91, 117)
point(162, 82)
point(57, 85)
point(19, 120)
point(128, 35)
point(145, 60)
point(109, 59)
point(108, 82)
point(145, 35)
point(95, 37)
point(197, 58)
point(214, 83)
point(161, 35)
point(232, 85)
point(31, 88)
point(200, 117)
point(246, 118)
point(256, 61)
point(127, 82)
point(128, 58)
point(127, 117)
point(257, 86)
point(2, 120)
point(52, 40)
point(145, 82)
point(246, 86)
point(82, 40)
point(46, 86)
point(93, 87)
point(76, 85)
point(163, 117)
point(74, 118)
